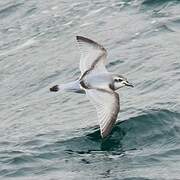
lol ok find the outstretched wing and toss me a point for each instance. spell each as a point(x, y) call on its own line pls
point(93, 55)
point(107, 106)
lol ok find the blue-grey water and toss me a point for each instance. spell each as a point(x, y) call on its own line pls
point(52, 136)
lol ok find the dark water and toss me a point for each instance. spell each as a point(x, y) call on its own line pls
point(55, 136)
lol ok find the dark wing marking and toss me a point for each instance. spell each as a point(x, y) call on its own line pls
point(93, 55)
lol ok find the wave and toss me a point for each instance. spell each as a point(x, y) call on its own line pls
point(9, 9)
point(155, 128)
point(157, 2)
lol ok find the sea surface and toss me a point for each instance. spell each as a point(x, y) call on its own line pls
point(55, 136)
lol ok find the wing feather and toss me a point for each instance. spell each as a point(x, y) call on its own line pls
point(107, 106)
point(93, 55)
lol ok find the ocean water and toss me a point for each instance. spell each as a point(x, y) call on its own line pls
point(52, 136)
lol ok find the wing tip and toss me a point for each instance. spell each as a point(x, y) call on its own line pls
point(106, 131)
point(82, 38)
point(79, 37)
point(105, 134)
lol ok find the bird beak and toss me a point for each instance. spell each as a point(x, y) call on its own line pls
point(128, 84)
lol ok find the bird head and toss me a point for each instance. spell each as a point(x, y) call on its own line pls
point(120, 81)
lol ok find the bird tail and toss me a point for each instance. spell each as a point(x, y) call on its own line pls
point(55, 88)
point(68, 87)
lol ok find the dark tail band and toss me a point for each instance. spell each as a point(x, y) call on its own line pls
point(54, 88)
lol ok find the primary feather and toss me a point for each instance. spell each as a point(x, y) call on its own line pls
point(107, 106)
point(93, 55)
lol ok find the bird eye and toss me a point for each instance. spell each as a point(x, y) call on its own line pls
point(118, 80)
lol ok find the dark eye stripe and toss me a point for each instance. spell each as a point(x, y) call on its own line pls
point(118, 80)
